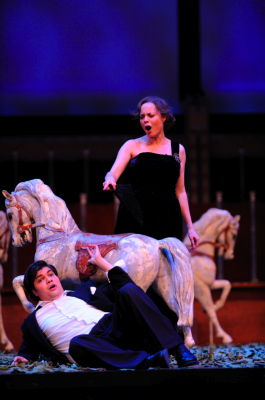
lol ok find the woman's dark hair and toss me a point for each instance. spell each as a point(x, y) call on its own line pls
point(30, 276)
point(161, 105)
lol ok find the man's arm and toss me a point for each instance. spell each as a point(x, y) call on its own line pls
point(116, 275)
point(27, 351)
point(97, 259)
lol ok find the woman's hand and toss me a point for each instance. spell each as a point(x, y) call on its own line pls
point(109, 183)
point(194, 237)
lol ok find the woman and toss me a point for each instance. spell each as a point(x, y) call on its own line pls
point(156, 169)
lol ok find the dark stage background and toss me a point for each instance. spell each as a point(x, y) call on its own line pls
point(72, 72)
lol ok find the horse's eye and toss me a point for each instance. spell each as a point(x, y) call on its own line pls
point(9, 216)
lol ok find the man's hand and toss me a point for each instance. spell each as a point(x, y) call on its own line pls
point(97, 259)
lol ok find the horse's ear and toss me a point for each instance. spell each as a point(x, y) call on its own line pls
point(236, 218)
point(7, 195)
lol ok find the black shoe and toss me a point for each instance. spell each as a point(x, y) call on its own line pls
point(184, 357)
point(160, 359)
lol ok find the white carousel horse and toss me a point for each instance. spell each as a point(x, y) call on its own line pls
point(5, 236)
point(164, 264)
point(217, 230)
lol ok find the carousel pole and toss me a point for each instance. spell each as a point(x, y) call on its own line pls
point(51, 169)
point(220, 266)
point(252, 198)
point(84, 194)
point(14, 249)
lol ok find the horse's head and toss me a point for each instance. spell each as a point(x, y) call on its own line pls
point(34, 205)
point(224, 228)
point(228, 238)
point(218, 228)
point(19, 217)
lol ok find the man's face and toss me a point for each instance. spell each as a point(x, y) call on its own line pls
point(47, 285)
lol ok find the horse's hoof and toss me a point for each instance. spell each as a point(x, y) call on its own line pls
point(8, 347)
point(227, 340)
point(189, 343)
point(9, 350)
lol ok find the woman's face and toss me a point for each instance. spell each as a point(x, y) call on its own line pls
point(151, 120)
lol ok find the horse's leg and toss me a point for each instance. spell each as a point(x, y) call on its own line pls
point(226, 288)
point(4, 341)
point(19, 289)
point(204, 296)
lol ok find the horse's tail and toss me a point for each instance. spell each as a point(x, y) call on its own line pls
point(182, 278)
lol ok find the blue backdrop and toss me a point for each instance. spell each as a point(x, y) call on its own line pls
point(233, 54)
point(102, 56)
point(86, 56)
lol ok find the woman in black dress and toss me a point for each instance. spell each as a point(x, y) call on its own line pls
point(156, 167)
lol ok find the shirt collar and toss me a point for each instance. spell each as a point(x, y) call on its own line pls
point(42, 303)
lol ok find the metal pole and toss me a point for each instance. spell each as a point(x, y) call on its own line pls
point(51, 169)
point(242, 173)
point(83, 211)
point(219, 199)
point(86, 171)
point(252, 198)
point(219, 261)
point(14, 249)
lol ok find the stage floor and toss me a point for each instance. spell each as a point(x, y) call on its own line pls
point(242, 366)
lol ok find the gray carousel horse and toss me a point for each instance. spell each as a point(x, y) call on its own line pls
point(217, 230)
point(164, 264)
point(5, 236)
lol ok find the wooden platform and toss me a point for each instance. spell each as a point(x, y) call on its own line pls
point(130, 385)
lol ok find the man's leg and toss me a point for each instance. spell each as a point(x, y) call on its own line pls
point(99, 350)
point(140, 322)
point(136, 324)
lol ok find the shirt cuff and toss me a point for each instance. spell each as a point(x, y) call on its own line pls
point(119, 263)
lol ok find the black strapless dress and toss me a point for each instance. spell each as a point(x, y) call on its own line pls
point(148, 201)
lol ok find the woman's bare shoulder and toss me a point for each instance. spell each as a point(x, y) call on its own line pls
point(133, 143)
point(182, 153)
point(181, 147)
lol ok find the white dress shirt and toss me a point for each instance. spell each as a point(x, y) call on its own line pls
point(64, 318)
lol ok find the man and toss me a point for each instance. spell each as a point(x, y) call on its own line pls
point(118, 326)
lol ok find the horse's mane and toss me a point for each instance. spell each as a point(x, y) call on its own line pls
point(5, 236)
point(54, 212)
point(213, 216)
point(3, 222)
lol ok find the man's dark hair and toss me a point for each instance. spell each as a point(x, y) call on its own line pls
point(30, 276)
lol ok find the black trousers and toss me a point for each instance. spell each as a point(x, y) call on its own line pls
point(124, 338)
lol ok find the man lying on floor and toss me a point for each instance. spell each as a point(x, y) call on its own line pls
point(78, 326)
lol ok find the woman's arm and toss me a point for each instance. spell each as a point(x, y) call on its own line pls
point(182, 197)
point(123, 157)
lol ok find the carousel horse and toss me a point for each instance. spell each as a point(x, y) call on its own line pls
point(218, 231)
point(5, 236)
point(163, 264)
